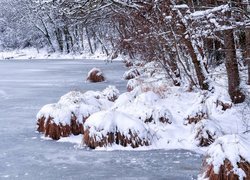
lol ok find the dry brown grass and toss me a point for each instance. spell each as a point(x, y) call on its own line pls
point(157, 89)
point(132, 74)
point(118, 138)
point(196, 118)
point(56, 131)
point(96, 76)
point(204, 139)
point(226, 171)
point(224, 106)
point(128, 63)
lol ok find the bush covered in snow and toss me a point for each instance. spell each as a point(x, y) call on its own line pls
point(105, 128)
point(95, 75)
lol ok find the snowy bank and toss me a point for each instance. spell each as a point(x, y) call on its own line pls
point(33, 53)
point(155, 114)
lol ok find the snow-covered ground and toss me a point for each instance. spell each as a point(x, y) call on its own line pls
point(25, 86)
point(33, 53)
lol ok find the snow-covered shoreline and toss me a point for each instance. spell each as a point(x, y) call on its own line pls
point(39, 54)
point(162, 116)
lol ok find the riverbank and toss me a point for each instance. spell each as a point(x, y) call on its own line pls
point(154, 114)
point(33, 53)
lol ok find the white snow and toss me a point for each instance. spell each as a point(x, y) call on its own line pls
point(33, 53)
point(95, 70)
point(71, 139)
point(181, 6)
point(201, 14)
point(102, 122)
point(81, 104)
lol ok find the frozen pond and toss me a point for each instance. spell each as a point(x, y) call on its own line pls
point(25, 86)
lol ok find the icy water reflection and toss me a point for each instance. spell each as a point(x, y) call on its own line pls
point(25, 86)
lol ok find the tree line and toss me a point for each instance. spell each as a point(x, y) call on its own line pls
point(187, 37)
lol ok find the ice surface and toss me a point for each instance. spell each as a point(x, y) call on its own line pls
point(26, 86)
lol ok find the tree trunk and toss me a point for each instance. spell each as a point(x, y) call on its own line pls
point(59, 39)
point(196, 62)
point(197, 65)
point(68, 39)
point(89, 42)
point(47, 35)
point(191, 5)
point(81, 29)
point(174, 68)
point(232, 68)
point(247, 51)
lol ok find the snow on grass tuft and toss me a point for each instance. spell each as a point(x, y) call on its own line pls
point(107, 127)
point(229, 156)
point(111, 92)
point(69, 114)
point(95, 75)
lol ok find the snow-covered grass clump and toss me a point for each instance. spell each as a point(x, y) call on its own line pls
point(146, 106)
point(131, 74)
point(228, 158)
point(95, 75)
point(111, 92)
point(105, 128)
point(68, 115)
point(206, 131)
